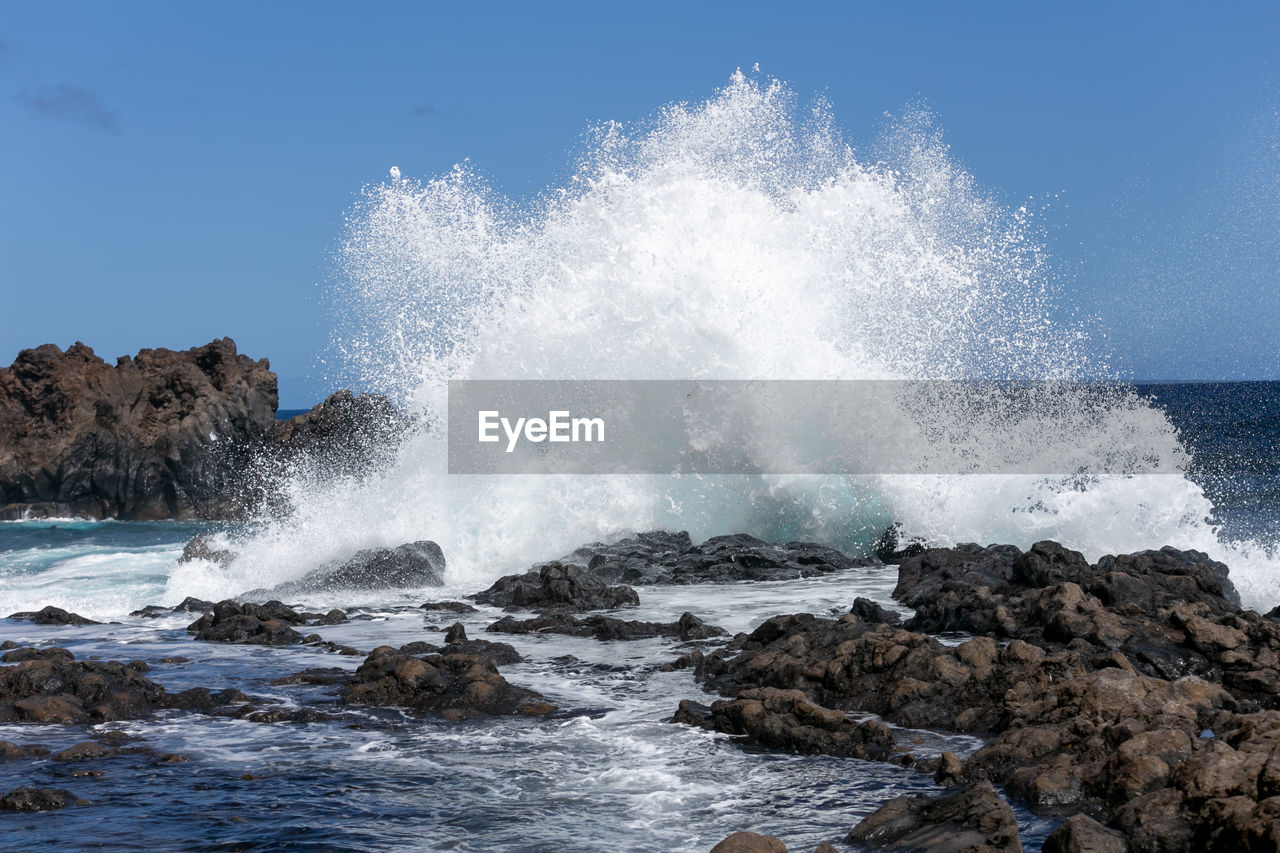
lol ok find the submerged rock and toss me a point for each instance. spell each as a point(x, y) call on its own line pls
point(453, 685)
point(688, 627)
point(53, 616)
point(974, 819)
point(38, 799)
point(261, 624)
point(556, 585)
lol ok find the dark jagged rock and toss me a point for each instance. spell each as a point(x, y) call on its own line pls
point(261, 624)
point(749, 842)
point(671, 558)
point(904, 677)
point(500, 653)
point(688, 627)
point(333, 617)
point(1171, 613)
point(788, 719)
point(53, 616)
point(38, 800)
point(453, 685)
point(414, 564)
point(162, 435)
point(448, 606)
point(1082, 834)
point(889, 548)
point(58, 689)
point(188, 605)
point(48, 653)
point(868, 611)
point(975, 819)
point(557, 585)
point(346, 435)
point(201, 547)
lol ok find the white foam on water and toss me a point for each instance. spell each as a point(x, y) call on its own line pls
point(737, 238)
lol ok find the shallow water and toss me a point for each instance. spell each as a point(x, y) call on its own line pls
point(606, 770)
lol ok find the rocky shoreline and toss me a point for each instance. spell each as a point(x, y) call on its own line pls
point(1132, 698)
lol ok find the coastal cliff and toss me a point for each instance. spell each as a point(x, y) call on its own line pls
point(164, 434)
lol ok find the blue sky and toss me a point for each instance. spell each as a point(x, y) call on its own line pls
point(173, 172)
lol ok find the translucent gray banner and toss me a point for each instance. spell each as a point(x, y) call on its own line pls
point(805, 427)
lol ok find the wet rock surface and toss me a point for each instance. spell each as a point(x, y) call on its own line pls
point(455, 686)
point(688, 627)
point(750, 842)
point(38, 800)
point(1170, 613)
point(270, 624)
point(973, 820)
point(661, 557)
point(187, 605)
point(407, 566)
point(53, 687)
point(559, 586)
point(52, 616)
point(789, 720)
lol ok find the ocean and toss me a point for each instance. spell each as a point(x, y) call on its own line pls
point(736, 238)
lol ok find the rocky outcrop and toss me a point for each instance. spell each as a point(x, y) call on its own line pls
point(906, 678)
point(52, 687)
point(164, 434)
point(688, 627)
point(1170, 613)
point(414, 564)
point(52, 616)
point(190, 604)
point(974, 820)
point(269, 624)
point(455, 686)
point(789, 720)
point(169, 434)
point(346, 435)
point(671, 558)
point(557, 585)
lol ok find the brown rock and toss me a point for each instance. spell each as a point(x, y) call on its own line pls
point(749, 842)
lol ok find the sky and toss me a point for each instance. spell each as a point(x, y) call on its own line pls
point(174, 172)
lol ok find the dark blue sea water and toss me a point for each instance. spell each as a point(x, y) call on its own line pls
point(607, 771)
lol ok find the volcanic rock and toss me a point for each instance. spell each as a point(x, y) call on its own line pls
point(261, 624)
point(688, 627)
point(201, 547)
point(671, 558)
point(749, 842)
point(974, 819)
point(1169, 613)
point(788, 719)
point(453, 685)
point(414, 564)
point(53, 616)
point(557, 585)
point(188, 605)
point(58, 689)
point(38, 799)
point(162, 435)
